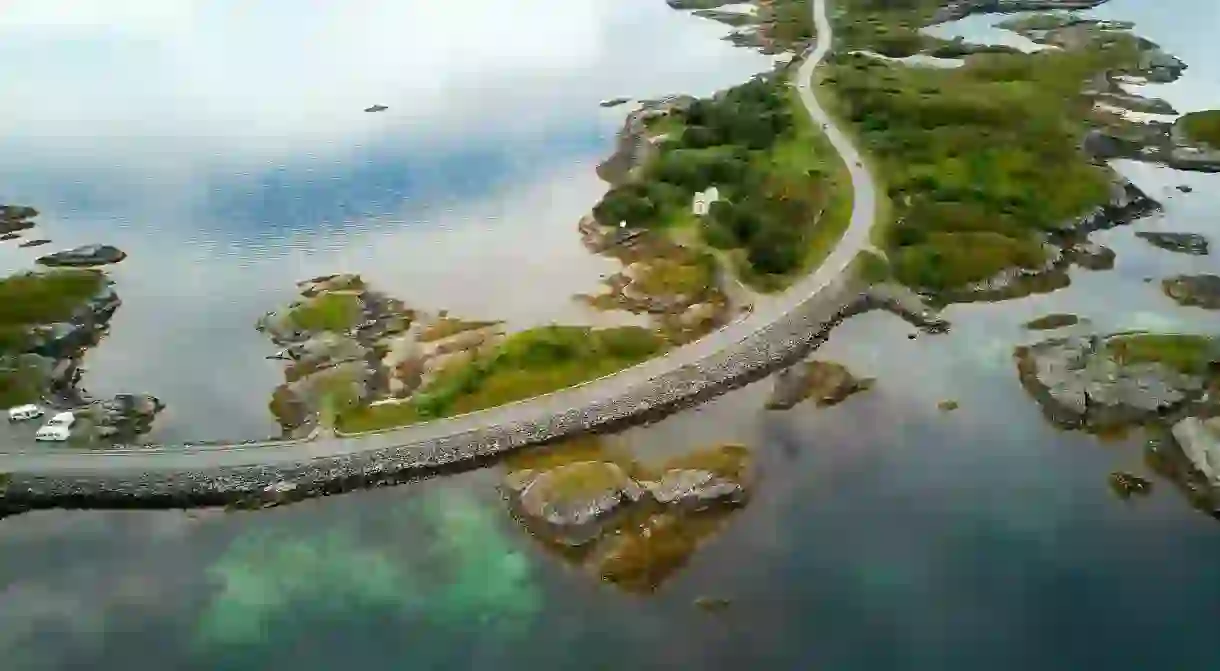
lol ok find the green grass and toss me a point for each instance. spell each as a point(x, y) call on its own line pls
point(19, 384)
point(871, 268)
point(978, 161)
point(31, 299)
point(335, 311)
point(526, 364)
point(686, 275)
point(451, 326)
point(1202, 127)
point(1185, 353)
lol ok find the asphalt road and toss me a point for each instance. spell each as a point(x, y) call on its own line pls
point(45, 460)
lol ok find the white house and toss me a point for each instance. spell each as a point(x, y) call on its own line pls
point(703, 200)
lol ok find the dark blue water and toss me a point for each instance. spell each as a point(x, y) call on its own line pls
point(883, 534)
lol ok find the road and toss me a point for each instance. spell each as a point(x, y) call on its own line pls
point(38, 460)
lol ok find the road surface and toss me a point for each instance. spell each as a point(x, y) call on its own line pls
point(41, 460)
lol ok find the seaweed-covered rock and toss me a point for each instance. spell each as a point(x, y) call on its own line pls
point(1184, 243)
point(1126, 485)
point(1194, 290)
point(1055, 320)
point(827, 383)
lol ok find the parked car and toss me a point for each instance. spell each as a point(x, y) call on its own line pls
point(61, 420)
point(23, 412)
point(56, 434)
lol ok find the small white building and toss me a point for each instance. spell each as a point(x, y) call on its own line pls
point(702, 202)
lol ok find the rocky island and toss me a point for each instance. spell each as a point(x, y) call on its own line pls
point(1167, 383)
point(631, 524)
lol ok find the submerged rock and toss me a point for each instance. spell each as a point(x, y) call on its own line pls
point(1185, 243)
point(1127, 484)
point(827, 383)
point(1194, 290)
point(1055, 320)
point(9, 236)
point(88, 255)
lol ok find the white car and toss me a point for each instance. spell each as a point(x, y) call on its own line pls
point(61, 420)
point(56, 434)
point(24, 412)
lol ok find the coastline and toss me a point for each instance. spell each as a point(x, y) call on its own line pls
point(755, 344)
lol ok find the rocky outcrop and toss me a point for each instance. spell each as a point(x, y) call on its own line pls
point(826, 383)
point(376, 348)
point(1055, 320)
point(635, 144)
point(572, 503)
point(1080, 383)
point(85, 256)
point(694, 489)
point(1201, 291)
point(1091, 255)
point(957, 9)
point(632, 525)
point(35, 243)
point(123, 416)
point(14, 218)
point(1200, 441)
point(1183, 243)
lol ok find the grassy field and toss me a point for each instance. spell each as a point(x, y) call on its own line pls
point(1202, 127)
point(526, 364)
point(1184, 353)
point(786, 196)
point(32, 299)
point(977, 161)
point(335, 311)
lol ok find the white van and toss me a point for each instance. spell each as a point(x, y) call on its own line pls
point(56, 434)
point(24, 412)
point(62, 420)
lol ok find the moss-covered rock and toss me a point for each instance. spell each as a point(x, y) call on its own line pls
point(826, 383)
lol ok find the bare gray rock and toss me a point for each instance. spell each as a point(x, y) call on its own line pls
point(87, 255)
point(1079, 384)
point(572, 503)
point(695, 489)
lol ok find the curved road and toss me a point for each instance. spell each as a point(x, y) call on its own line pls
point(47, 461)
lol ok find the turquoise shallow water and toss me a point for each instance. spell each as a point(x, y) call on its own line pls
point(884, 534)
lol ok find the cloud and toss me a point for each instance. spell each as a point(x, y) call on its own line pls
point(226, 81)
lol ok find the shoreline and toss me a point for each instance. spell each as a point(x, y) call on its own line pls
point(758, 343)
